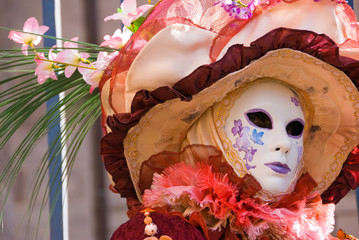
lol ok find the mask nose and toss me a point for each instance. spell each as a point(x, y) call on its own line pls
point(281, 142)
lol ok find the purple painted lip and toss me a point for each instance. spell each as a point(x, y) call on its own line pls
point(278, 167)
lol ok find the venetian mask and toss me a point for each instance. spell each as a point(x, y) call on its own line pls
point(265, 126)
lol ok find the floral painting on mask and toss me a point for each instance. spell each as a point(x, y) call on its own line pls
point(242, 143)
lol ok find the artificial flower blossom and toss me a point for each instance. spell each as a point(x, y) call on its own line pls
point(45, 69)
point(118, 39)
point(239, 9)
point(71, 57)
point(190, 189)
point(93, 77)
point(31, 25)
point(129, 12)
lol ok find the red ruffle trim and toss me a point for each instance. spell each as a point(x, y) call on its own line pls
point(236, 58)
point(199, 154)
point(347, 179)
point(213, 186)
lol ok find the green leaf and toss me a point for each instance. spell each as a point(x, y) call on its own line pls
point(135, 25)
point(20, 98)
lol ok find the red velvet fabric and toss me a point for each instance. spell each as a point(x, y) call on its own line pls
point(236, 58)
point(170, 225)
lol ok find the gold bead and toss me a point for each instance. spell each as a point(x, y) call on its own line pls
point(165, 237)
point(148, 220)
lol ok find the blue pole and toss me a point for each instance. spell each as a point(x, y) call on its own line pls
point(55, 173)
point(351, 3)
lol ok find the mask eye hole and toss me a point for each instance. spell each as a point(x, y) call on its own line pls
point(295, 128)
point(259, 119)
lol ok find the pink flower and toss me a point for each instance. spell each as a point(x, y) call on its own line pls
point(118, 39)
point(31, 26)
point(93, 77)
point(129, 12)
point(45, 69)
point(71, 56)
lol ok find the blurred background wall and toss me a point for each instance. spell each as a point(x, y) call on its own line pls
point(94, 211)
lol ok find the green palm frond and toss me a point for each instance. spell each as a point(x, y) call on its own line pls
point(21, 96)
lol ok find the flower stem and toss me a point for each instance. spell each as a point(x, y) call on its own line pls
point(86, 60)
point(67, 64)
point(33, 48)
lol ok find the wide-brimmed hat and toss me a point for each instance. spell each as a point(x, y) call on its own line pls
point(177, 66)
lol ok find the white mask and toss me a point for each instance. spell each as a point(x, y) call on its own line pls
point(265, 125)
